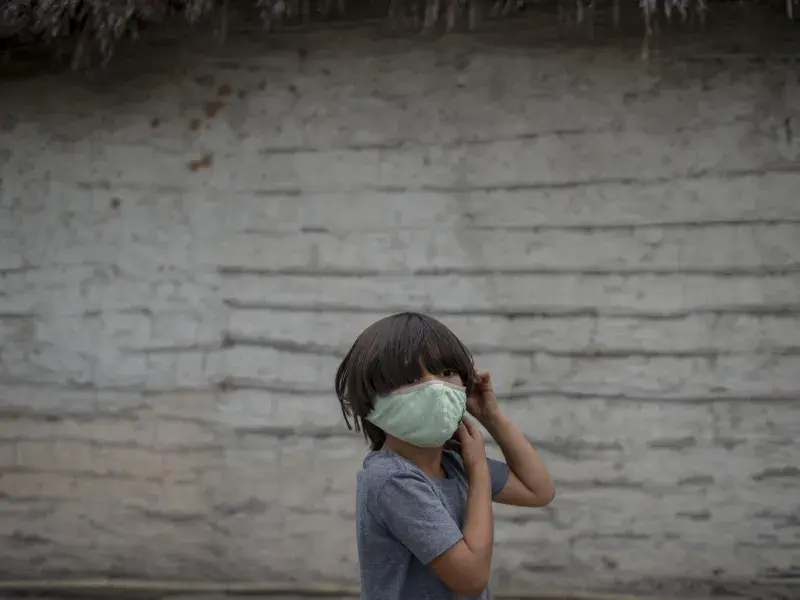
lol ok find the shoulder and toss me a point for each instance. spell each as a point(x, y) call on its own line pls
point(382, 468)
point(386, 477)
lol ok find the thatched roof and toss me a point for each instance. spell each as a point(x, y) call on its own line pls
point(87, 30)
point(94, 26)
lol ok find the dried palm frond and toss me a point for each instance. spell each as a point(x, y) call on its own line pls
point(95, 25)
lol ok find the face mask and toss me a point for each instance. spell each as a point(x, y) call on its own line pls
point(426, 414)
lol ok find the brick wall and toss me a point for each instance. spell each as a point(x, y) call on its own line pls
point(190, 242)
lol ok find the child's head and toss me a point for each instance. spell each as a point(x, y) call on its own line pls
point(394, 352)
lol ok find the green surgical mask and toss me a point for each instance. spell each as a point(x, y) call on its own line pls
point(426, 414)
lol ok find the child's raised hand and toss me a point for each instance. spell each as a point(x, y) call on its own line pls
point(473, 451)
point(482, 403)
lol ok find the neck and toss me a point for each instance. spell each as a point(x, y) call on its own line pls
point(427, 459)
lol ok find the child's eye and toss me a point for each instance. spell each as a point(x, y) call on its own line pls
point(448, 373)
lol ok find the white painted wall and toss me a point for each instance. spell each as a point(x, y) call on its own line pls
point(619, 244)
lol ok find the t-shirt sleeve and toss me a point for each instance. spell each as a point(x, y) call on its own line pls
point(415, 515)
point(498, 473)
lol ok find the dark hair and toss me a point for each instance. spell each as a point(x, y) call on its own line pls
point(391, 353)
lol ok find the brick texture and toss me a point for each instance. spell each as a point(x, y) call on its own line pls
point(619, 244)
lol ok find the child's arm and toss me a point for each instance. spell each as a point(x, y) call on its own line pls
point(410, 508)
point(466, 567)
point(529, 482)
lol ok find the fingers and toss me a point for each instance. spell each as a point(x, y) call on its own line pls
point(470, 428)
point(461, 433)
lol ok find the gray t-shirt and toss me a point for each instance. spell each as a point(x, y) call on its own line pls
point(405, 519)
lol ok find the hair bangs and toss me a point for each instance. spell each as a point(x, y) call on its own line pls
point(441, 351)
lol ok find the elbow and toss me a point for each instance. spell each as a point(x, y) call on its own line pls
point(469, 590)
point(542, 497)
point(470, 578)
point(471, 584)
point(464, 571)
point(548, 495)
